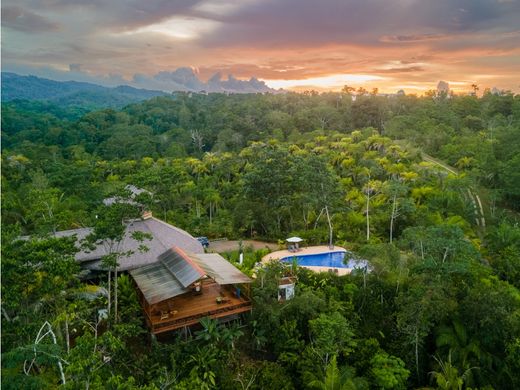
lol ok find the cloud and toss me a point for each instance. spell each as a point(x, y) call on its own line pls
point(414, 40)
point(411, 38)
point(181, 79)
point(303, 23)
point(116, 15)
point(403, 69)
point(75, 67)
point(26, 21)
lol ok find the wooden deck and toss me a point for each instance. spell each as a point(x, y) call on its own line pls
point(188, 309)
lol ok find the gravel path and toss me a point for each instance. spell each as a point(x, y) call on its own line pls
point(227, 245)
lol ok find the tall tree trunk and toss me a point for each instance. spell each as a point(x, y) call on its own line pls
point(6, 316)
point(109, 290)
point(417, 351)
point(115, 294)
point(445, 255)
point(368, 215)
point(67, 334)
point(392, 217)
point(318, 218)
point(197, 208)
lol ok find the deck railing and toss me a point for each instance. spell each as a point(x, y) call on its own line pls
point(181, 322)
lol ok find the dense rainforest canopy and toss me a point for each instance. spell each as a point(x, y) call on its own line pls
point(427, 189)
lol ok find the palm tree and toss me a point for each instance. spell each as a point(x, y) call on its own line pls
point(211, 197)
point(336, 379)
point(203, 362)
point(462, 347)
point(370, 189)
point(464, 162)
point(448, 377)
point(348, 90)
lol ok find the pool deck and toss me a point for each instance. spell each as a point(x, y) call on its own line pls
point(311, 250)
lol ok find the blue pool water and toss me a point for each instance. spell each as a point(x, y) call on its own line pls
point(331, 260)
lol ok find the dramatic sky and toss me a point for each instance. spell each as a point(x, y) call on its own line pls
point(294, 44)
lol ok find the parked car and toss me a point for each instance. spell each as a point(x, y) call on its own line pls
point(203, 241)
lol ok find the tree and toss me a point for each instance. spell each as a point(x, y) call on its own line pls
point(389, 372)
point(331, 335)
point(43, 204)
point(448, 378)
point(397, 191)
point(348, 90)
point(110, 231)
point(442, 245)
point(463, 351)
point(336, 379)
point(371, 188)
point(202, 375)
point(503, 245)
point(130, 310)
point(131, 142)
point(37, 278)
point(35, 272)
point(475, 88)
point(429, 300)
point(276, 184)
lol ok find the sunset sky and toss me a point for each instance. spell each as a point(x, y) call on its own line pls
point(291, 44)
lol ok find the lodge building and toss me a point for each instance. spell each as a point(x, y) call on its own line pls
point(177, 283)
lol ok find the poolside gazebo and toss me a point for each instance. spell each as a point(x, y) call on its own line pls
point(293, 243)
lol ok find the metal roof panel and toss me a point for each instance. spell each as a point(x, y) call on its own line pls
point(219, 269)
point(157, 283)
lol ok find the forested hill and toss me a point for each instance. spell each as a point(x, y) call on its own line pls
point(480, 136)
point(71, 93)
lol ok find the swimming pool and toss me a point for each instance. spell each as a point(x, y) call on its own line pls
point(329, 259)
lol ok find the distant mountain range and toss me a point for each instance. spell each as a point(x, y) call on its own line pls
point(71, 93)
point(74, 93)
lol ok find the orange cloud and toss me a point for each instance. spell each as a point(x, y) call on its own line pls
point(291, 43)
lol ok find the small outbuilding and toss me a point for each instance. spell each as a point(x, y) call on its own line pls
point(286, 288)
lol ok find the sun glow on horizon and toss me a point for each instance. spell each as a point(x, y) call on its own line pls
point(335, 81)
